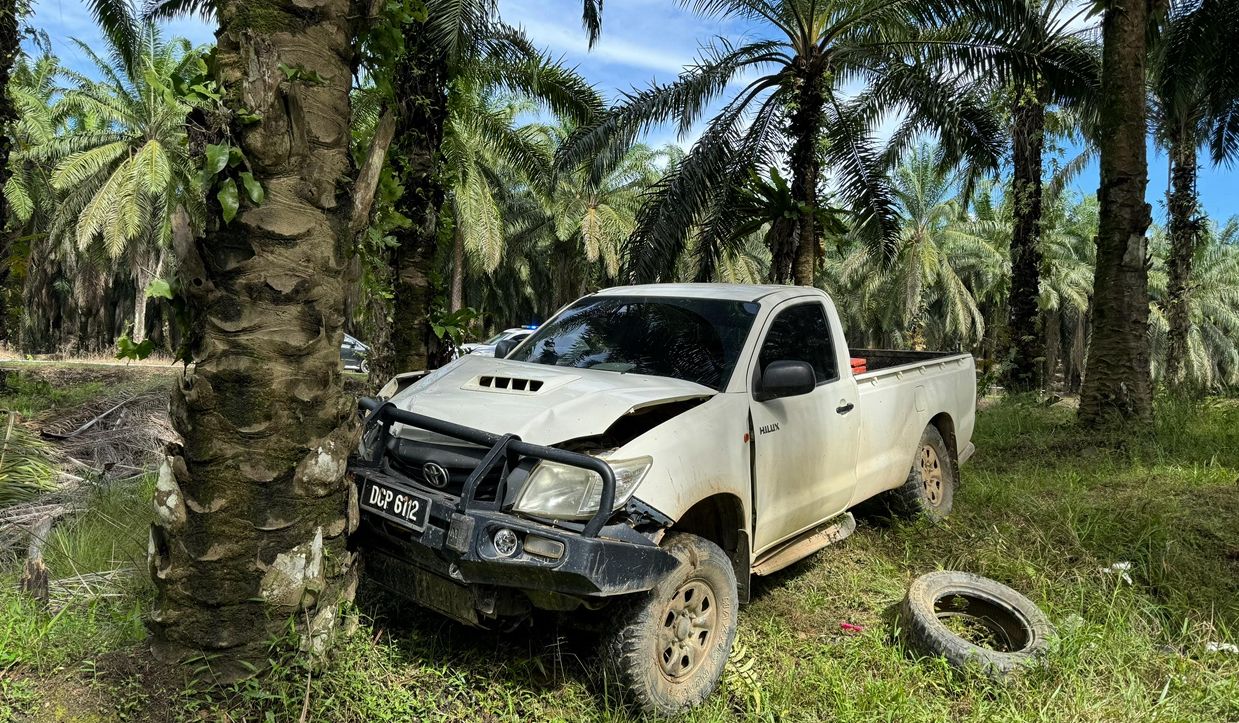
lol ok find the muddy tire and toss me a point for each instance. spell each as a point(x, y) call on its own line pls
point(929, 490)
point(669, 646)
point(973, 621)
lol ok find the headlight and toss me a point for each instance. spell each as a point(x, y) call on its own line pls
point(389, 389)
point(564, 492)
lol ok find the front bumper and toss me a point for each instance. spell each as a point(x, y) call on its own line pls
point(451, 564)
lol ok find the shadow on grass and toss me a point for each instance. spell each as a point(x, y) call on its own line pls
point(545, 652)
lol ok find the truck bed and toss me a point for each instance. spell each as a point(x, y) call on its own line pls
point(878, 359)
point(900, 393)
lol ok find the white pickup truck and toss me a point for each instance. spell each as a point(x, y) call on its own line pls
point(650, 448)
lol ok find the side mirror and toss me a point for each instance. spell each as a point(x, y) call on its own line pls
point(505, 347)
point(786, 379)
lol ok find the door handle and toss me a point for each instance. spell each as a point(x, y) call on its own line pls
point(845, 408)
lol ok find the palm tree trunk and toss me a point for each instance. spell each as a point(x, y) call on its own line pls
point(1183, 205)
point(796, 258)
point(8, 56)
point(1118, 383)
point(1053, 346)
point(1073, 363)
point(251, 508)
point(1024, 320)
point(139, 312)
point(458, 270)
point(420, 81)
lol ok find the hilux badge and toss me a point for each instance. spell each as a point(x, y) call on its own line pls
point(435, 475)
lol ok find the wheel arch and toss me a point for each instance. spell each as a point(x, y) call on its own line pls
point(946, 427)
point(720, 519)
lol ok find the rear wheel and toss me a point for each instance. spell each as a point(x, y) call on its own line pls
point(670, 645)
point(929, 490)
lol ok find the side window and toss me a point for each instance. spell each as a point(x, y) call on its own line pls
point(801, 333)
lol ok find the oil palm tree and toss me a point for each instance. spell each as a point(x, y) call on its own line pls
point(32, 90)
point(123, 167)
point(929, 292)
point(562, 239)
point(458, 39)
point(810, 54)
point(1195, 101)
point(587, 221)
point(1211, 348)
point(10, 49)
point(593, 220)
point(491, 53)
point(489, 160)
point(1055, 40)
point(1118, 384)
point(1065, 288)
point(259, 473)
point(37, 268)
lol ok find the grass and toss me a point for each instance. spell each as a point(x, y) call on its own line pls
point(47, 388)
point(1044, 507)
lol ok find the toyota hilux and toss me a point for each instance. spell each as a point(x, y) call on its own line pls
point(650, 449)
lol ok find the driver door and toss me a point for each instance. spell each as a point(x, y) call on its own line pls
point(804, 446)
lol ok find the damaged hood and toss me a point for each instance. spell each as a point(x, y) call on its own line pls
point(539, 403)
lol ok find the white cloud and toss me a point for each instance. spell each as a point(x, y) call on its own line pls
point(612, 47)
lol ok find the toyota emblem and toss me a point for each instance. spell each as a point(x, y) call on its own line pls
point(435, 475)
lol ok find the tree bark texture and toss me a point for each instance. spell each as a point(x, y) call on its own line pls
point(1026, 352)
point(252, 505)
point(8, 114)
point(1119, 384)
point(1185, 231)
point(1053, 346)
point(458, 270)
point(795, 258)
point(139, 314)
point(421, 111)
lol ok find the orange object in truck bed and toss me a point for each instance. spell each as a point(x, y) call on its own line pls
point(859, 365)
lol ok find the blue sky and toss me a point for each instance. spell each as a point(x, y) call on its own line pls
point(642, 41)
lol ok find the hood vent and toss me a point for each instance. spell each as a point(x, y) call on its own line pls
point(510, 384)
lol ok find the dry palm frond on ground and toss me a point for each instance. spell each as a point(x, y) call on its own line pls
point(26, 467)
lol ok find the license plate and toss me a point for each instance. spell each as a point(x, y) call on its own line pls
point(406, 508)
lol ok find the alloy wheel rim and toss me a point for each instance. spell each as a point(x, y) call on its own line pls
point(931, 475)
point(689, 622)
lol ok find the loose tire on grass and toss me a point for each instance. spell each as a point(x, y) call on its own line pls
point(669, 646)
point(973, 621)
point(929, 491)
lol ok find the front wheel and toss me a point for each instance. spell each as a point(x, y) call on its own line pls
point(669, 646)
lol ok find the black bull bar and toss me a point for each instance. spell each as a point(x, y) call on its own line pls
point(504, 449)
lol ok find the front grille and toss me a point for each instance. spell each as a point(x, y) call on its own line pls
point(442, 467)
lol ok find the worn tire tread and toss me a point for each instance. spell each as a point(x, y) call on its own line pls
point(624, 650)
point(923, 632)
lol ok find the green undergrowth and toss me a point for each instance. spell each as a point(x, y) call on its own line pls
point(47, 389)
point(1044, 507)
point(96, 560)
point(29, 394)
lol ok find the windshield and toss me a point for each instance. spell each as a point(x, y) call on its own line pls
point(495, 339)
point(697, 340)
